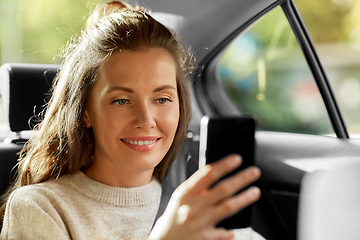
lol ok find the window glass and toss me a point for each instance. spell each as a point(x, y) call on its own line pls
point(264, 72)
point(35, 31)
point(334, 27)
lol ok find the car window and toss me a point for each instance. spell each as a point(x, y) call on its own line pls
point(35, 32)
point(337, 42)
point(264, 72)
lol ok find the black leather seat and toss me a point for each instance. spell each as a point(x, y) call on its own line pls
point(24, 89)
point(8, 160)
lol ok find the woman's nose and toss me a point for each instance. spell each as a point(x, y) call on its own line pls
point(144, 118)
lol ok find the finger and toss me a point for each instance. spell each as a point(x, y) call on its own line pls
point(229, 187)
point(234, 204)
point(209, 174)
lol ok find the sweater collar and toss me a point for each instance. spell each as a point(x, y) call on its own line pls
point(137, 196)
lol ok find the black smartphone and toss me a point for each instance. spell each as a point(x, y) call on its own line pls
point(220, 137)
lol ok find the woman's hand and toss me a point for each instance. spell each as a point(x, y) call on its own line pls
point(194, 209)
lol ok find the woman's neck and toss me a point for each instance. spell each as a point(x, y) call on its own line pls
point(117, 178)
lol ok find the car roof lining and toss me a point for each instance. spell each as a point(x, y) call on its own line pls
point(205, 23)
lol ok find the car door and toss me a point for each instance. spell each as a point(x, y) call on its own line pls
point(268, 67)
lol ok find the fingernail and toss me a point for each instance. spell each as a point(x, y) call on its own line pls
point(256, 171)
point(237, 158)
point(254, 191)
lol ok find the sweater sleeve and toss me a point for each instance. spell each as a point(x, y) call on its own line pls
point(29, 214)
point(246, 234)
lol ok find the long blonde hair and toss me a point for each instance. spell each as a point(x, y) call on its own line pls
point(63, 145)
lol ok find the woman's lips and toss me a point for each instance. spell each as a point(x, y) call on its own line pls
point(141, 144)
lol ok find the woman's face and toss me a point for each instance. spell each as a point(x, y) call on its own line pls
point(133, 109)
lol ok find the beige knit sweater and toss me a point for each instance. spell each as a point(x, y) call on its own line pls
point(77, 207)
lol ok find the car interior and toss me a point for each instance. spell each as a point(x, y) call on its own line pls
point(300, 128)
point(25, 90)
point(330, 201)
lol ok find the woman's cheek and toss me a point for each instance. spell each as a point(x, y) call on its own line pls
point(171, 116)
point(114, 118)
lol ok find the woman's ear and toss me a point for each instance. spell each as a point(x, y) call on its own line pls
point(86, 119)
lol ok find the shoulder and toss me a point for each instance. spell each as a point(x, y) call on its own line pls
point(28, 198)
point(28, 205)
point(38, 192)
point(46, 196)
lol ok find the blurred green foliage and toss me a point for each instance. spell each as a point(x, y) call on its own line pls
point(330, 20)
point(264, 72)
point(44, 26)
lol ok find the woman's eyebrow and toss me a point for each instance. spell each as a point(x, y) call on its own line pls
point(118, 88)
point(129, 90)
point(159, 89)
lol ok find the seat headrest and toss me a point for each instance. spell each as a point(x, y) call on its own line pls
point(329, 206)
point(25, 89)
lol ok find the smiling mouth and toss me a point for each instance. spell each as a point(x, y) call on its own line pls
point(140, 143)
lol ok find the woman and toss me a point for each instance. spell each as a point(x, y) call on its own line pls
point(118, 115)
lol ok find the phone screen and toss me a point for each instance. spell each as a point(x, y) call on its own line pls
point(220, 137)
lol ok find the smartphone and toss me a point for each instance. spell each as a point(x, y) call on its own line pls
point(220, 137)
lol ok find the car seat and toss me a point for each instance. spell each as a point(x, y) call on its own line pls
point(329, 204)
point(24, 90)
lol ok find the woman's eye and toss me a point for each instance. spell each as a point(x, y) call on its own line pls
point(163, 100)
point(121, 101)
